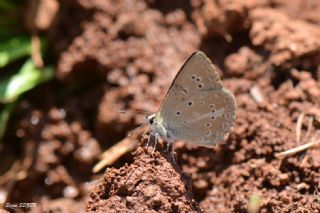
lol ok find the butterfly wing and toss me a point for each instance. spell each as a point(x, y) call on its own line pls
point(197, 108)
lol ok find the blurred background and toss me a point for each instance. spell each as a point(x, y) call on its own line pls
point(68, 67)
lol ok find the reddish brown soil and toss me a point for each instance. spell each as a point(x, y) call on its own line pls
point(152, 183)
point(123, 55)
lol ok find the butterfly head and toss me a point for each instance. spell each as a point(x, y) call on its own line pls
point(150, 119)
point(156, 124)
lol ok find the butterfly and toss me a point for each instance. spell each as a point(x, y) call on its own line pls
point(197, 108)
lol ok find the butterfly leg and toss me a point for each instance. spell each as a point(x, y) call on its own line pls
point(170, 144)
point(173, 153)
point(151, 135)
point(156, 139)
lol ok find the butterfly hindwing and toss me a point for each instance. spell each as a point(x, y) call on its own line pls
point(197, 108)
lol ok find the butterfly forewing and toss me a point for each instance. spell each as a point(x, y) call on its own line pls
point(197, 108)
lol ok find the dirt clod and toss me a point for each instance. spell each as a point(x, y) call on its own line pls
point(152, 183)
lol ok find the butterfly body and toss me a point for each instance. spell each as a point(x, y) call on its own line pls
point(157, 126)
point(197, 108)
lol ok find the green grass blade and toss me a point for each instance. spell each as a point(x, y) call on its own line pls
point(13, 49)
point(5, 113)
point(5, 34)
point(7, 5)
point(11, 87)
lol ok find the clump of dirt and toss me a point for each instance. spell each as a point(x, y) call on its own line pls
point(58, 151)
point(297, 42)
point(153, 182)
point(223, 17)
point(123, 55)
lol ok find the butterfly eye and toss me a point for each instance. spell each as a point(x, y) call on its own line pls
point(151, 120)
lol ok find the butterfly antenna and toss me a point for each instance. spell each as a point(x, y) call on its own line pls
point(135, 112)
point(136, 129)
